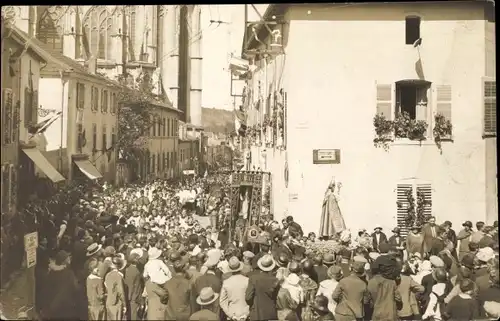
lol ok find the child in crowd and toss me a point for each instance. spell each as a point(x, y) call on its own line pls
point(463, 307)
point(155, 269)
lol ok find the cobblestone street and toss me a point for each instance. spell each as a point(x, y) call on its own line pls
point(13, 299)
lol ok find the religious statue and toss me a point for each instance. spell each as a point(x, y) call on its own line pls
point(244, 203)
point(332, 221)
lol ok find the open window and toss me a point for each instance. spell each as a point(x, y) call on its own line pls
point(412, 98)
point(412, 29)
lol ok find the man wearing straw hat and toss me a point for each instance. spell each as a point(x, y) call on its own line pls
point(205, 300)
point(261, 293)
point(232, 296)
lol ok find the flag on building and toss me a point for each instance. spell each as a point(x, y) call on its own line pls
point(43, 125)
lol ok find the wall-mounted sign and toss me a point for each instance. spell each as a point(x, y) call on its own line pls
point(326, 156)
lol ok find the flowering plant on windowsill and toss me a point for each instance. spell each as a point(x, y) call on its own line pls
point(406, 127)
point(383, 131)
point(442, 130)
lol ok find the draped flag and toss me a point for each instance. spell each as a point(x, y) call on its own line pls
point(43, 125)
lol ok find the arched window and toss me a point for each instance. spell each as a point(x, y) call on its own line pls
point(48, 30)
point(97, 24)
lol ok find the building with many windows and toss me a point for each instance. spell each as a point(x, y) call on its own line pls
point(126, 42)
point(384, 82)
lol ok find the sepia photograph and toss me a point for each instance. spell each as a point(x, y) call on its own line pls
point(330, 161)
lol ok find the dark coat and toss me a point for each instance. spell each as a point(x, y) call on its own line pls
point(209, 280)
point(427, 233)
point(294, 227)
point(179, 295)
point(62, 288)
point(320, 273)
point(134, 284)
point(261, 295)
point(375, 244)
point(157, 297)
point(384, 296)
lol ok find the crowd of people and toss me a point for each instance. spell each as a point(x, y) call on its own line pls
point(139, 253)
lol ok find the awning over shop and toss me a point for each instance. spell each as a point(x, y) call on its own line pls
point(88, 169)
point(43, 164)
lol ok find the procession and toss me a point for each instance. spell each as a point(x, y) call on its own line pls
point(249, 162)
point(140, 253)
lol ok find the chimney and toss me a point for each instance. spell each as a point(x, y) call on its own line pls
point(196, 67)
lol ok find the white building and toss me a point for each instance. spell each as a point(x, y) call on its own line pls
point(342, 64)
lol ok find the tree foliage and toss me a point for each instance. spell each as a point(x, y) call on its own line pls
point(134, 116)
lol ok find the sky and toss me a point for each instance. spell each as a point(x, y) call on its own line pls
point(219, 41)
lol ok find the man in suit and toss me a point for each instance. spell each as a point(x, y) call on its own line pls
point(232, 296)
point(452, 236)
point(283, 247)
point(378, 237)
point(262, 291)
point(351, 295)
point(429, 232)
point(294, 227)
point(397, 241)
point(179, 294)
point(209, 279)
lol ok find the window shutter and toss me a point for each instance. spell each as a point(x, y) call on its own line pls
point(384, 100)
point(426, 190)
point(7, 107)
point(490, 108)
point(34, 102)
point(444, 98)
point(402, 202)
point(28, 107)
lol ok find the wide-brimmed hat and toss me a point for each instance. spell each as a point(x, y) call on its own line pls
point(396, 230)
point(234, 264)
point(207, 296)
point(485, 254)
point(119, 262)
point(213, 258)
point(436, 261)
point(266, 263)
point(248, 254)
point(377, 227)
point(320, 304)
point(282, 260)
point(61, 257)
point(328, 259)
point(93, 249)
point(154, 253)
point(358, 268)
point(109, 251)
point(334, 272)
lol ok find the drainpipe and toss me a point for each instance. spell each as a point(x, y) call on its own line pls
point(63, 83)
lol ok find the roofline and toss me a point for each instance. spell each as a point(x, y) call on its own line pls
point(21, 39)
point(280, 9)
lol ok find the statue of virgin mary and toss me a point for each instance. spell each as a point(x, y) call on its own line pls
point(332, 221)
